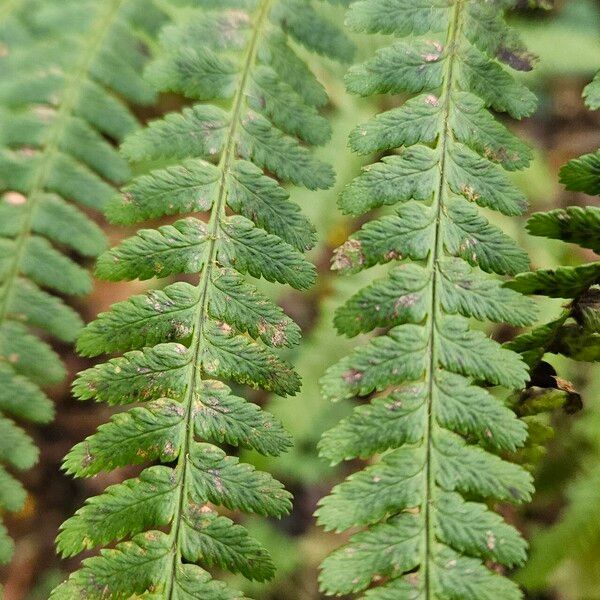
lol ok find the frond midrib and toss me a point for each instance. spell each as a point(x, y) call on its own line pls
point(437, 252)
point(218, 212)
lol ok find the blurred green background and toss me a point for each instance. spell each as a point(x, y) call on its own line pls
point(563, 522)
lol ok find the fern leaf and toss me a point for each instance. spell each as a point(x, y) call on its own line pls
point(574, 224)
point(437, 431)
point(582, 174)
point(592, 93)
point(562, 282)
point(574, 333)
point(65, 77)
point(227, 156)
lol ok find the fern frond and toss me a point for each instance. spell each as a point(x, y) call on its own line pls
point(69, 67)
point(251, 130)
point(592, 93)
point(430, 414)
point(575, 333)
point(583, 174)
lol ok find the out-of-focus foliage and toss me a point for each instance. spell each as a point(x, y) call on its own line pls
point(574, 334)
point(66, 69)
point(566, 39)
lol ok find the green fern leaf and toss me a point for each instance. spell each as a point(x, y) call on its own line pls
point(435, 429)
point(574, 224)
point(229, 161)
point(562, 282)
point(576, 331)
point(583, 174)
point(592, 93)
point(61, 98)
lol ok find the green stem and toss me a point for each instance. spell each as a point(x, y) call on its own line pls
point(218, 213)
point(446, 137)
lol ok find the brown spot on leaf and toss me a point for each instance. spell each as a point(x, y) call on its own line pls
point(169, 449)
point(393, 255)
point(469, 193)
point(497, 154)
point(516, 57)
point(45, 113)
point(405, 301)
point(279, 338)
point(436, 55)
point(15, 198)
point(87, 459)
point(348, 256)
point(352, 376)
point(216, 473)
point(225, 328)
point(27, 151)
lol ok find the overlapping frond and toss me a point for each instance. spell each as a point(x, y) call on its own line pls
point(592, 93)
point(575, 333)
point(228, 157)
point(67, 68)
point(426, 530)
